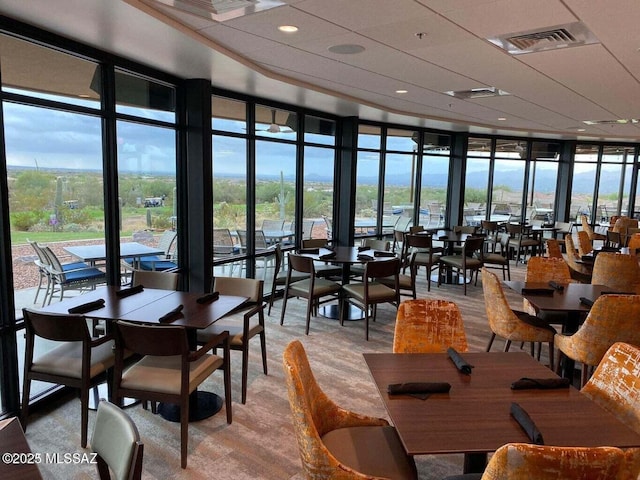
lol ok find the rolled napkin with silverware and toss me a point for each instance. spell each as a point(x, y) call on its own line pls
point(418, 387)
point(528, 425)
point(379, 253)
point(556, 286)
point(365, 257)
point(537, 291)
point(87, 307)
point(460, 363)
point(540, 383)
point(363, 248)
point(127, 292)
point(310, 251)
point(167, 317)
point(586, 301)
point(208, 297)
point(328, 256)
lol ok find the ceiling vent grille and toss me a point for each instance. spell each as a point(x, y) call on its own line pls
point(220, 10)
point(481, 92)
point(561, 36)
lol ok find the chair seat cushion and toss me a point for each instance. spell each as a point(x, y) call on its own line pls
point(66, 360)
point(321, 286)
point(457, 261)
point(162, 374)
point(377, 292)
point(422, 259)
point(281, 278)
point(158, 265)
point(86, 274)
point(405, 282)
point(495, 258)
point(371, 450)
point(234, 325)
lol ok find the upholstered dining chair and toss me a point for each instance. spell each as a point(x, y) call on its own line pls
point(243, 323)
point(615, 386)
point(155, 279)
point(78, 361)
point(618, 271)
point(374, 244)
point(579, 271)
point(612, 318)
point(499, 259)
point(280, 275)
point(117, 443)
point(586, 227)
point(422, 253)
point(511, 325)
point(470, 259)
point(314, 289)
point(525, 461)
point(164, 262)
point(428, 326)
point(521, 241)
point(634, 244)
point(554, 249)
point(585, 244)
point(322, 269)
point(168, 371)
point(337, 443)
point(371, 292)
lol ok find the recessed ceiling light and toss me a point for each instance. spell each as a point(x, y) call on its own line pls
point(346, 49)
point(288, 28)
point(402, 91)
point(581, 129)
point(502, 119)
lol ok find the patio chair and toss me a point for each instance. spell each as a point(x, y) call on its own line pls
point(167, 243)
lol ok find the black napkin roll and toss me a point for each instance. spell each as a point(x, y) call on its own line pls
point(328, 256)
point(443, 237)
point(586, 301)
point(528, 425)
point(418, 387)
point(126, 292)
point(540, 383)
point(208, 297)
point(364, 256)
point(167, 317)
point(363, 248)
point(311, 251)
point(537, 291)
point(383, 254)
point(556, 286)
point(458, 361)
point(88, 307)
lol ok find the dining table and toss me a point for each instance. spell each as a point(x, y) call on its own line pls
point(149, 306)
point(473, 417)
point(18, 462)
point(98, 253)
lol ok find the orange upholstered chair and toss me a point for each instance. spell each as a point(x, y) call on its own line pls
point(544, 270)
point(428, 326)
point(586, 227)
point(617, 271)
point(579, 271)
point(335, 443)
point(621, 226)
point(524, 461)
point(512, 326)
point(553, 248)
point(612, 318)
point(634, 244)
point(615, 386)
point(585, 244)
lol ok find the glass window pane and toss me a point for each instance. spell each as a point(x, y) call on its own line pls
point(614, 186)
point(583, 182)
point(275, 123)
point(437, 144)
point(367, 183)
point(399, 183)
point(144, 98)
point(543, 177)
point(433, 193)
point(369, 137)
point(228, 115)
point(402, 140)
point(476, 185)
point(478, 147)
point(508, 182)
point(41, 72)
point(319, 130)
point(318, 191)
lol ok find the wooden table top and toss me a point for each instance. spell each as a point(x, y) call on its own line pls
point(347, 255)
point(151, 304)
point(12, 440)
point(567, 300)
point(474, 416)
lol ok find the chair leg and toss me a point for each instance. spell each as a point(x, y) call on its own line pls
point(24, 413)
point(310, 304)
point(245, 361)
point(366, 320)
point(493, 337)
point(184, 430)
point(551, 355)
point(284, 307)
point(507, 345)
point(84, 416)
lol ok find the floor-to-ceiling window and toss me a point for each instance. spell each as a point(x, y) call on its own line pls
point(435, 179)
point(477, 172)
point(368, 181)
point(543, 179)
point(508, 178)
point(615, 180)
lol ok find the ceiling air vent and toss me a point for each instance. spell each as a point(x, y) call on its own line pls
point(219, 10)
point(560, 36)
point(482, 92)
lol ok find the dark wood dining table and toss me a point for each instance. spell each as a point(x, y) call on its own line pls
point(474, 418)
point(18, 462)
point(148, 307)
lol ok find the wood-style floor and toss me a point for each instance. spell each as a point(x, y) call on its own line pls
point(260, 443)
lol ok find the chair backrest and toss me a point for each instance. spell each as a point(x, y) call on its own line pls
point(615, 270)
point(585, 245)
point(502, 320)
point(428, 326)
point(570, 247)
point(53, 261)
point(382, 268)
point(469, 229)
point(546, 269)
point(402, 225)
point(117, 442)
point(489, 227)
point(311, 410)
point(242, 237)
point(615, 385)
point(612, 318)
point(300, 263)
point(416, 229)
point(421, 241)
point(242, 287)
point(167, 241)
point(522, 461)
point(376, 244)
point(314, 243)
point(260, 240)
point(56, 327)
point(307, 228)
point(553, 248)
point(584, 220)
point(472, 245)
point(156, 340)
point(222, 241)
point(273, 225)
point(634, 243)
point(42, 257)
point(155, 279)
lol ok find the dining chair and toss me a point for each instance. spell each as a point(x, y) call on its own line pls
point(273, 225)
point(491, 231)
point(116, 442)
point(71, 276)
point(522, 241)
point(373, 244)
point(554, 249)
point(615, 386)
point(322, 268)
point(313, 288)
point(586, 227)
point(513, 326)
point(470, 260)
point(428, 326)
point(622, 226)
point(612, 318)
point(280, 275)
point(42, 262)
point(524, 461)
point(499, 259)
point(579, 271)
point(244, 323)
point(334, 442)
point(168, 371)
point(77, 361)
point(371, 292)
point(585, 245)
point(422, 253)
point(618, 271)
point(167, 243)
point(162, 280)
point(614, 239)
point(634, 244)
